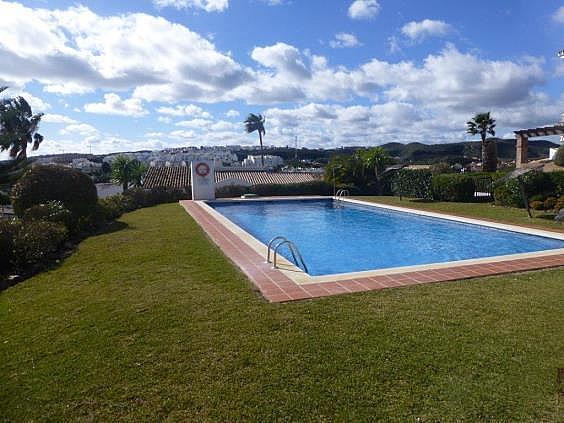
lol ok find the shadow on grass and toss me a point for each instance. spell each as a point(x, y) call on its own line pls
point(545, 216)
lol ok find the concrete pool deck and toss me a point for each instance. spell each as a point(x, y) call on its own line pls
point(288, 283)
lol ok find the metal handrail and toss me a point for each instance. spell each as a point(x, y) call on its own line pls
point(294, 250)
point(340, 194)
point(282, 239)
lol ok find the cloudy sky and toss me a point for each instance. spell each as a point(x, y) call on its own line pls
point(151, 74)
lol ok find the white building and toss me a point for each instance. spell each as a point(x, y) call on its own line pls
point(85, 165)
point(270, 162)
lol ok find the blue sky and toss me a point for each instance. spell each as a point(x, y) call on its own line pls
point(130, 75)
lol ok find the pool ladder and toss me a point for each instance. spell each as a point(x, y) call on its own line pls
point(291, 246)
point(339, 196)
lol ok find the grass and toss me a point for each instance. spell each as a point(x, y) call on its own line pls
point(151, 322)
point(486, 211)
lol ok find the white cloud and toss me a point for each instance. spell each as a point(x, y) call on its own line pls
point(559, 15)
point(232, 113)
point(364, 9)
point(195, 123)
point(417, 31)
point(207, 5)
point(56, 118)
point(77, 51)
point(82, 129)
point(188, 110)
point(36, 103)
point(114, 105)
point(284, 58)
point(344, 40)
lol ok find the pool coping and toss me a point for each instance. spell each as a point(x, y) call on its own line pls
point(288, 283)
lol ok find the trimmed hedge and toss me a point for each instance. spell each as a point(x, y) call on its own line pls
point(415, 183)
point(559, 156)
point(41, 184)
point(114, 206)
point(453, 187)
point(268, 190)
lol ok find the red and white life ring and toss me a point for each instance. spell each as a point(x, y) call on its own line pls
point(202, 169)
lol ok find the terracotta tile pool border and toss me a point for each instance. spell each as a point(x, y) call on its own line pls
point(276, 287)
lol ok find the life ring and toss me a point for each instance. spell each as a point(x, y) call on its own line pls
point(202, 169)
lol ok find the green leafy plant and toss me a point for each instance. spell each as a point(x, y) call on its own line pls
point(415, 183)
point(559, 156)
point(51, 211)
point(18, 127)
point(41, 184)
point(453, 187)
point(27, 243)
point(128, 172)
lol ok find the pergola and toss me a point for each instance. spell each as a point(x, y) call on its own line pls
point(523, 136)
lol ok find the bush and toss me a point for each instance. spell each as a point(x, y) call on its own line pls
point(557, 179)
point(4, 199)
point(230, 191)
point(508, 193)
point(414, 183)
point(268, 190)
point(147, 198)
point(453, 187)
point(27, 243)
point(114, 206)
point(306, 188)
point(559, 156)
point(41, 184)
point(52, 211)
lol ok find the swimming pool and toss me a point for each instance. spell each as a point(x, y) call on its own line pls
point(348, 237)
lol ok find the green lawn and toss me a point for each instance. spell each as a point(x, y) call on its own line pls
point(150, 322)
point(485, 211)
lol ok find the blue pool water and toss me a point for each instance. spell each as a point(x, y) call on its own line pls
point(355, 238)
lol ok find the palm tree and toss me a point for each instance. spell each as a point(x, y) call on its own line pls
point(256, 123)
point(18, 127)
point(483, 124)
point(127, 171)
point(375, 159)
point(138, 171)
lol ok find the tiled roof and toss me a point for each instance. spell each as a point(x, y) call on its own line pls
point(179, 177)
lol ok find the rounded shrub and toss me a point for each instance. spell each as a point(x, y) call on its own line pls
point(453, 187)
point(559, 156)
point(41, 184)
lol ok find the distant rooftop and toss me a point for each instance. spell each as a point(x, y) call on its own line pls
point(179, 177)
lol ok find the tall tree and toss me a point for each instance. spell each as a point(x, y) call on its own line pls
point(483, 124)
point(256, 123)
point(18, 127)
